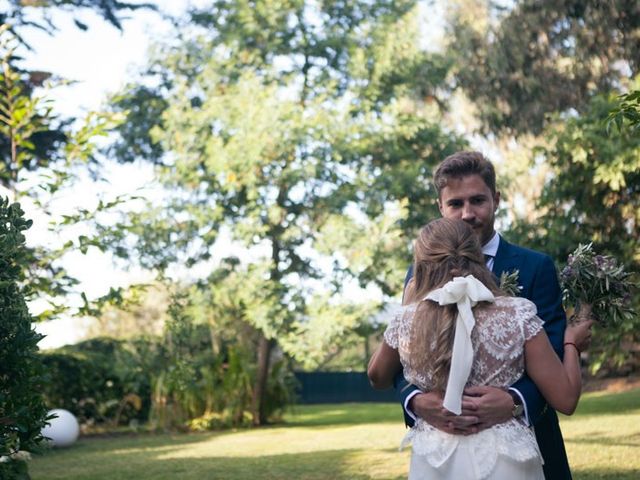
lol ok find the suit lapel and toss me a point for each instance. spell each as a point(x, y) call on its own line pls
point(505, 258)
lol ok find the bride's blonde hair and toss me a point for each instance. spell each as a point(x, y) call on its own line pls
point(444, 249)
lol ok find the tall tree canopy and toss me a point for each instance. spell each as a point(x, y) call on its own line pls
point(28, 118)
point(592, 195)
point(521, 63)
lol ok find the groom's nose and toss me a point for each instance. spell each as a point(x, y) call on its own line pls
point(468, 213)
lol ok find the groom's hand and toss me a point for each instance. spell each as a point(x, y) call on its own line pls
point(492, 405)
point(428, 406)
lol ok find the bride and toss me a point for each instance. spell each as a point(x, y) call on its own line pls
point(458, 330)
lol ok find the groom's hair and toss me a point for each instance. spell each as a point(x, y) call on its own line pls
point(463, 164)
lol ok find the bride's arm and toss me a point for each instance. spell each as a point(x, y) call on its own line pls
point(559, 382)
point(383, 366)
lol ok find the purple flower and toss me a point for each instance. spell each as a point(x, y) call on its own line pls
point(566, 272)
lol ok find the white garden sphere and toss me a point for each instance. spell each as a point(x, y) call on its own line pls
point(62, 430)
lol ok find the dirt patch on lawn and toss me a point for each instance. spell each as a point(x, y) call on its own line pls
point(612, 385)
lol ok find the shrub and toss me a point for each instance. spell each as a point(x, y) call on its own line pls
point(102, 380)
point(22, 409)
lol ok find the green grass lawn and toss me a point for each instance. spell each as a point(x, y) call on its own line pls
point(336, 442)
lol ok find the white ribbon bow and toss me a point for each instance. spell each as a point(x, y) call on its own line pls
point(466, 292)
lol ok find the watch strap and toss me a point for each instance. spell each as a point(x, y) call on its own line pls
point(518, 407)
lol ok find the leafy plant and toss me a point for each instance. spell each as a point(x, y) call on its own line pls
point(103, 381)
point(22, 409)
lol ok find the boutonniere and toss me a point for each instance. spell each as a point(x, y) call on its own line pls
point(509, 283)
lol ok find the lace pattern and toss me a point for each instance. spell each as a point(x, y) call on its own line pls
point(498, 339)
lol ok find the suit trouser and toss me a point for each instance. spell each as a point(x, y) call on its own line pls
point(549, 436)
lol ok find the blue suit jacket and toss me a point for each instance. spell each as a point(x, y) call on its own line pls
point(539, 281)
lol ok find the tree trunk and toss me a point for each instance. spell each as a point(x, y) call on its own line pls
point(367, 352)
point(213, 336)
point(260, 387)
point(265, 345)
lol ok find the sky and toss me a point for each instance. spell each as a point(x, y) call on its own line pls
point(99, 61)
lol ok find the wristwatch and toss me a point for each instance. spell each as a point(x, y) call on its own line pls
point(518, 407)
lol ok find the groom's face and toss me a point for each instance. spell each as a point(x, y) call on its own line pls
point(470, 199)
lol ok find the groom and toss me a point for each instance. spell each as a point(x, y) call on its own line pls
point(466, 187)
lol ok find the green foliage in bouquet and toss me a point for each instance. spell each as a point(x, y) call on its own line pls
point(22, 409)
point(600, 283)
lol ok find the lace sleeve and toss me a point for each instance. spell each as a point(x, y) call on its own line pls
point(391, 334)
point(531, 323)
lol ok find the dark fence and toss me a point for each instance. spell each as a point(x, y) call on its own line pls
point(339, 387)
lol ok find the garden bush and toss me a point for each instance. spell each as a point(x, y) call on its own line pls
point(22, 409)
point(102, 380)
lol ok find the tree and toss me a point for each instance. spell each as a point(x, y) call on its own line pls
point(208, 372)
point(28, 122)
point(592, 171)
point(293, 128)
point(543, 77)
point(43, 154)
point(35, 147)
point(141, 312)
point(522, 63)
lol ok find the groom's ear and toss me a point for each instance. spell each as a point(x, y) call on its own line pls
point(496, 200)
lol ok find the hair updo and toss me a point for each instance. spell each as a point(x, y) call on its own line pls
point(445, 248)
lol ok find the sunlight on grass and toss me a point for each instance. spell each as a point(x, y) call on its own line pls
point(278, 441)
point(345, 414)
point(389, 464)
point(337, 442)
point(594, 445)
point(603, 438)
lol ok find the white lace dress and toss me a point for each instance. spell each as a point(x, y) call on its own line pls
point(506, 451)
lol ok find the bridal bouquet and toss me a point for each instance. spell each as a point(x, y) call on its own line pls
point(597, 284)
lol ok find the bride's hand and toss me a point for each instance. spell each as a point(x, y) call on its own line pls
point(579, 333)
